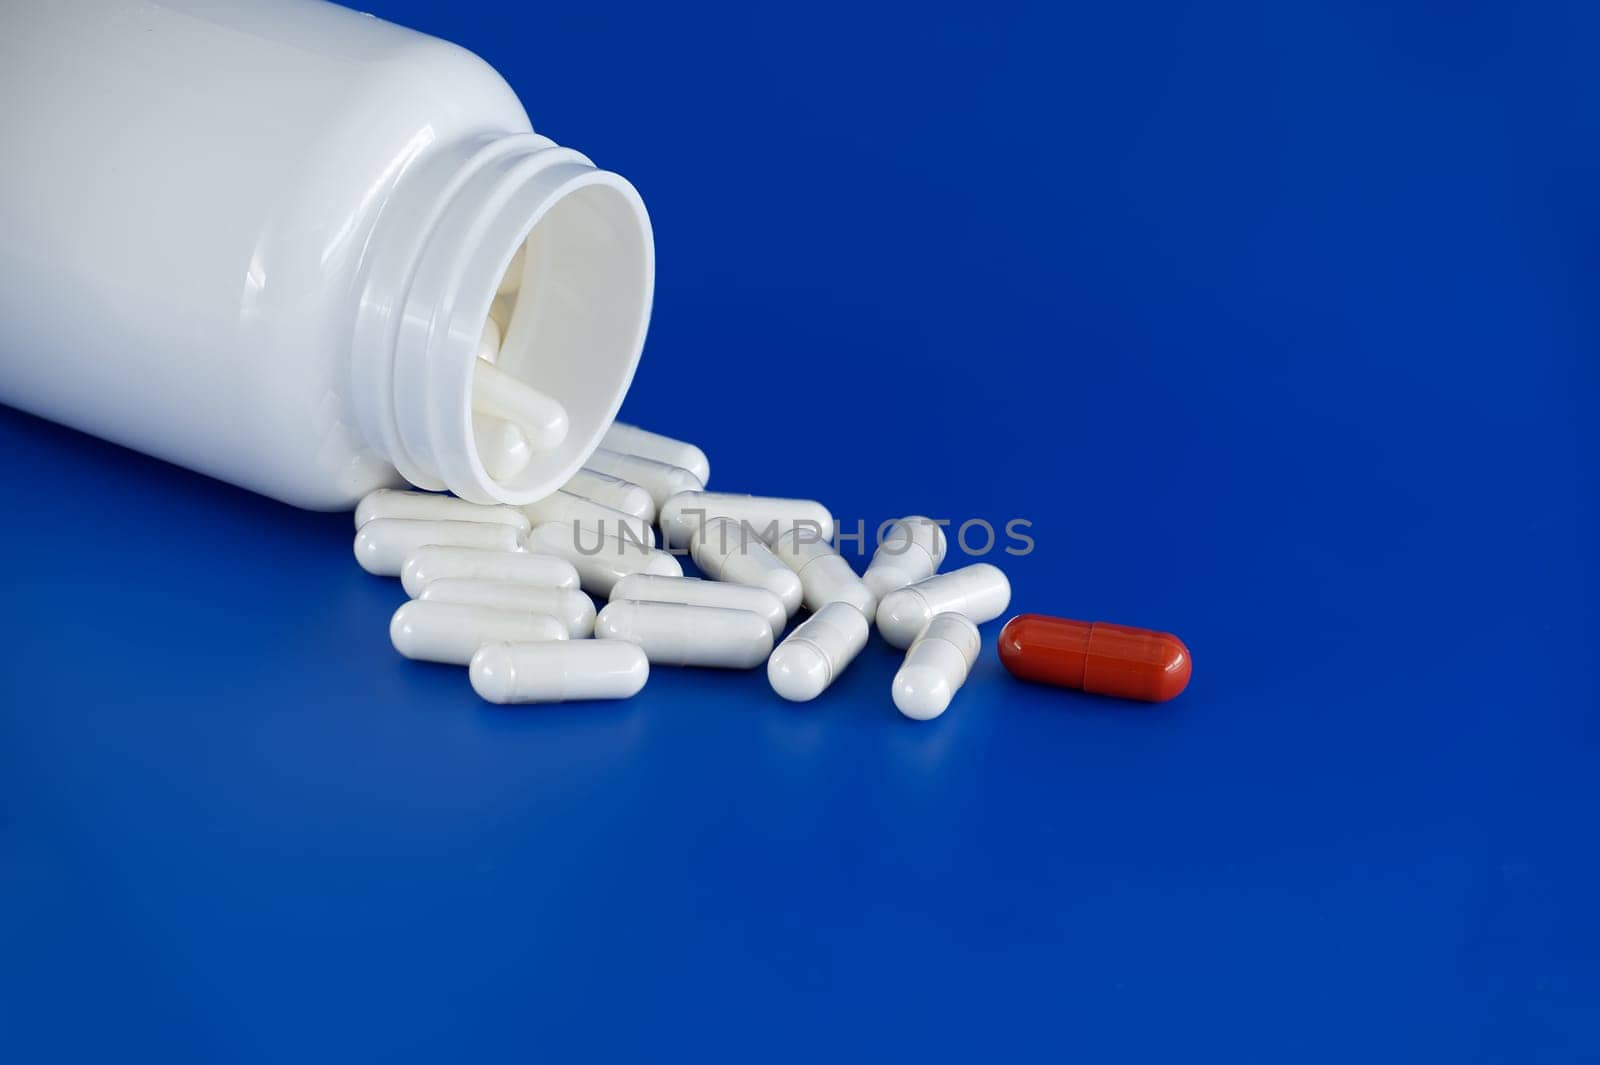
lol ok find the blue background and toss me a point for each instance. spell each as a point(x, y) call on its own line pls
point(1277, 320)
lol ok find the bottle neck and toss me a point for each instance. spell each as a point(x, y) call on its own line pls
point(440, 252)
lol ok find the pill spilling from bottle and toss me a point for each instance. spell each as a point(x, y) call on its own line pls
point(576, 597)
point(452, 300)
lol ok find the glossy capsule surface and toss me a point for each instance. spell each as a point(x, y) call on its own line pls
point(661, 479)
point(687, 514)
point(382, 545)
point(677, 634)
point(558, 671)
point(1095, 656)
point(936, 666)
point(601, 561)
point(502, 447)
point(909, 551)
point(692, 591)
point(434, 506)
point(433, 562)
point(632, 440)
point(564, 506)
point(452, 632)
point(825, 576)
point(567, 605)
point(980, 591)
point(815, 653)
point(725, 550)
point(613, 492)
point(543, 420)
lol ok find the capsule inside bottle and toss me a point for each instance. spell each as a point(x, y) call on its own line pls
point(1096, 657)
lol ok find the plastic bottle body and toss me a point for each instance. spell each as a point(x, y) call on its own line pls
point(261, 240)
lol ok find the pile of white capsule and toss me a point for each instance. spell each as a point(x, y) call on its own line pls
point(506, 590)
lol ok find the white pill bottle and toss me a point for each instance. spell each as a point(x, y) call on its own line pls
point(261, 238)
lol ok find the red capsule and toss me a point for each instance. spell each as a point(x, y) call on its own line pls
point(1095, 656)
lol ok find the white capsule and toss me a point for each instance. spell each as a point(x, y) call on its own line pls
point(601, 561)
point(567, 508)
point(825, 577)
point(542, 418)
point(769, 516)
point(632, 440)
point(431, 563)
point(660, 479)
point(567, 605)
point(936, 666)
point(502, 447)
point(434, 506)
point(558, 672)
point(980, 591)
point(382, 544)
point(673, 634)
point(691, 591)
point(909, 551)
point(614, 492)
point(728, 551)
point(816, 653)
point(451, 632)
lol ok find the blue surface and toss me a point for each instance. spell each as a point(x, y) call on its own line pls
point(1277, 321)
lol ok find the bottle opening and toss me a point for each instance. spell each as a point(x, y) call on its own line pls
point(502, 319)
point(570, 310)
